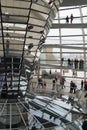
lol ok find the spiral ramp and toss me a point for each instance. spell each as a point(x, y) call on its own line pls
point(24, 27)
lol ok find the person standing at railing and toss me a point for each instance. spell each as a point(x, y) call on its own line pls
point(67, 19)
point(71, 18)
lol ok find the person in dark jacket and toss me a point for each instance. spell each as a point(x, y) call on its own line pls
point(84, 125)
point(54, 83)
point(67, 19)
point(71, 18)
point(85, 85)
point(72, 87)
point(81, 84)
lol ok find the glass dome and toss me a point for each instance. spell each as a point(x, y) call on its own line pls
point(31, 56)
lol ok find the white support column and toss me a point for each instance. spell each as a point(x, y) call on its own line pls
point(83, 36)
point(60, 41)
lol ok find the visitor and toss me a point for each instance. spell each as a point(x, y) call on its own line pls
point(75, 87)
point(71, 18)
point(81, 64)
point(84, 125)
point(69, 62)
point(72, 87)
point(62, 82)
point(62, 60)
point(67, 19)
point(74, 73)
point(54, 83)
point(50, 72)
point(85, 85)
point(40, 82)
point(76, 63)
point(81, 84)
point(58, 87)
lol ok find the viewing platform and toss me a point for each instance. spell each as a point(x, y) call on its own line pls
point(69, 25)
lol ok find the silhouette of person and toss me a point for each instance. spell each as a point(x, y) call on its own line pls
point(67, 19)
point(54, 83)
point(82, 84)
point(71, 18)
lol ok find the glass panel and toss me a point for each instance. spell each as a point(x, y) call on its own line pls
point(71, 31)
point(67, 12)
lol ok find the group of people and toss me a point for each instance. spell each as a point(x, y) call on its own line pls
point(69, 18)
point(58, 82)
point(84, 85)
point(61, 82)
point(74, 63)
point(73, 87)
point(41, 83)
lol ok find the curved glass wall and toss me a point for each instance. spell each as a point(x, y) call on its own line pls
point(20, 47)
point(68, 41)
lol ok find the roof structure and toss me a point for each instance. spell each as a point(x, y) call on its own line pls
point(24, 26)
